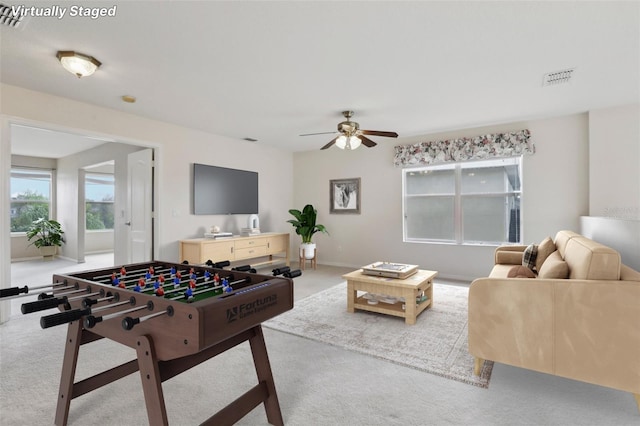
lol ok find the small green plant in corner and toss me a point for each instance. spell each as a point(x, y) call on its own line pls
point(45, 233)
point(305, 223)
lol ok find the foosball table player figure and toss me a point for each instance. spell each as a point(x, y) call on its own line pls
point(175, 316)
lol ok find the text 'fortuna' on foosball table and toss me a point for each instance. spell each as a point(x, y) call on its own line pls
point(175, 316)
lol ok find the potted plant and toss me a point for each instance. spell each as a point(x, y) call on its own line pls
point(46, 235)
point(305, 225)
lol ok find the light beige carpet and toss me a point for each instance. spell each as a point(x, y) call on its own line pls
point(436, 344)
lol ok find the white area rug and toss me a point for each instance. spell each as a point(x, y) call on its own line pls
point(436, 344)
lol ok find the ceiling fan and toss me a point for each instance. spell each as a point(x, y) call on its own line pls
point(351, 136)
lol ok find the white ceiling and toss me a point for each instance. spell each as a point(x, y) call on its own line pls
point(274, 70)
point(36, 142)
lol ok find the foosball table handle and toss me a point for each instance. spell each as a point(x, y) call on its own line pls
point(91, 321)
point(13, 291)
point(292, 274)
point(280, 271)
point(41, 305)
point(63, 317)
point(128, 323)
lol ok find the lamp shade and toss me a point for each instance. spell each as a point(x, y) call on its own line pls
point(354, 142)
point(77, 63)
point(348, 142)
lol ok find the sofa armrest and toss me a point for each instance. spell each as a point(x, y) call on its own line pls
point(509, 255)
point(511, 321)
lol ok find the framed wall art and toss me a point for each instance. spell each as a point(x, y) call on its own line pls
point(344, 196)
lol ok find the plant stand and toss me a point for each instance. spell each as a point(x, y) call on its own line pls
point(303, 258)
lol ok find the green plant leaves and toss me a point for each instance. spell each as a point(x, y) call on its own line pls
point(305, 223)
point(48, 232)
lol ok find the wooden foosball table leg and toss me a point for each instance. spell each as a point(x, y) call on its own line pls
point(65, 395)
point(151, 381)
point(263, 370)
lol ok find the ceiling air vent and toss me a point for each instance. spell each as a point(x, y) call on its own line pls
point(8, 18)
point(558, 77)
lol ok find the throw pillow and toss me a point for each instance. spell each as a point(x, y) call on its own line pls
point(529, 256)
point(520, 272)
point(554, 267)
point(545, 248)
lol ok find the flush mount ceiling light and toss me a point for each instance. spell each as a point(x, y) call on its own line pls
point(77, 63)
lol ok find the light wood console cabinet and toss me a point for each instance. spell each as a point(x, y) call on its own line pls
point(199, 250)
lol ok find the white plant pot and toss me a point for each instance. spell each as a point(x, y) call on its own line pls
point(308, 250)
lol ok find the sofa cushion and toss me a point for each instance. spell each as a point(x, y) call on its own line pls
point(529, 256)
point(590, 260)
point(520, 271)
point(554, 267)
point(545, 248)
point(562, 238)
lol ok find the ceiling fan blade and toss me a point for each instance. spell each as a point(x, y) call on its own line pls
point(311, 134)
point(330, 143)
point(379, 133)
point(367, 142)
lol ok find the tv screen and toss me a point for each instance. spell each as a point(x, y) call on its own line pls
point(219, 190)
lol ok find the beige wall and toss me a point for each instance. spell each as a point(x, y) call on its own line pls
point(177, 148)
point(555, 182)
point(614, 181)
point(614, 161)
point(95, 242)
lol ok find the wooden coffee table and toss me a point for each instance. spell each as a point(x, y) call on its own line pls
point(419, 284)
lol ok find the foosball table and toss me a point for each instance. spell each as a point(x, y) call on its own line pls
point(175, 316)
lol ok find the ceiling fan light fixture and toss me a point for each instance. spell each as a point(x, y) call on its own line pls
point(341, 142)
point(353, 142)
point(348, 142)
point(78, 64)
point(351, 137)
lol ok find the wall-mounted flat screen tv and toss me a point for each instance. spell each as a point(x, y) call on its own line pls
point(219, 190)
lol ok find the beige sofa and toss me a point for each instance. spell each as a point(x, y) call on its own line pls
point(579, 318)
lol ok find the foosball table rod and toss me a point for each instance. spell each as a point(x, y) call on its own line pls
point(53, 301)
point(76, 314)
point(26, 290)
point(131, 273)
point(128, 323)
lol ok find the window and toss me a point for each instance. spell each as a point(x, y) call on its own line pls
point(31, 197)
point(99, 196)
point(464, 203)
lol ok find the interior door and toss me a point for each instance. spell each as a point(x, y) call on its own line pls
point(140, 206)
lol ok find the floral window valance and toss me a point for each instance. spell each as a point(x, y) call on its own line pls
point(497, 145)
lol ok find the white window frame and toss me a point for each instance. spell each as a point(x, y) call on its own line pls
point(52, 191)
point(458, 199)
